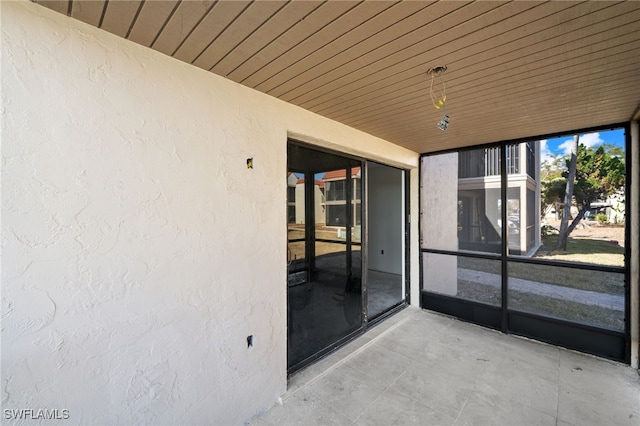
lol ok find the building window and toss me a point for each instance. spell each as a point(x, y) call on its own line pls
point(291, 204)
point(335, 190)
point(337, 215)
point(336, 197)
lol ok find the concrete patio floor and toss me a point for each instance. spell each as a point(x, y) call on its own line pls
point(419, 367)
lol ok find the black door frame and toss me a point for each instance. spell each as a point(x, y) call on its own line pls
point(366, 323)
point(406, 300)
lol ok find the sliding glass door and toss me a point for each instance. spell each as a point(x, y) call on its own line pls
point(324, 287)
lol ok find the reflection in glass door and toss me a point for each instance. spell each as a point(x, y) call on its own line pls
point(324, 287)
point(296, 230)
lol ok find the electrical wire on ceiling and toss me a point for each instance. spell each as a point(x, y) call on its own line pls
point(437, 91)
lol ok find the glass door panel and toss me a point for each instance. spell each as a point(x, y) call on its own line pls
point(296, 232)
point(385, 265)
point(325, 273)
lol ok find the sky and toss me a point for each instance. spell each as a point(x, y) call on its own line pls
point(562, 145)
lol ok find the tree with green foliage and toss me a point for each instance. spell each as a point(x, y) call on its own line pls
point(551, 168)
point(598, 174)
point(563, 233)
point(553, 192)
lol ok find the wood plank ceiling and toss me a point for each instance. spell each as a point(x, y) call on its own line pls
point(515, 69)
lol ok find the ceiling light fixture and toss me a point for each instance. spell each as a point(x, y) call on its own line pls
point(438, 94)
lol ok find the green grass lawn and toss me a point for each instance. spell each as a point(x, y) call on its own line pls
point(583, 250)
point(578, 250)
point(599, 252)
point(603, 282)
point(567, 310)
point(547, 306)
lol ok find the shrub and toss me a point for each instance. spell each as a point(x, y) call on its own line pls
point(602, 218)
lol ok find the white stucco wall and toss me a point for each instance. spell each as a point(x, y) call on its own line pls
point(138, 251)
point(300, 204)
point(385, 234)
point(439, 189)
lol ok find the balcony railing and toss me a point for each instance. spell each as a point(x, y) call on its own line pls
point(486, 162)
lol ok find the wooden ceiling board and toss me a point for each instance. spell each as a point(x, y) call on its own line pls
point(209, 29)
point(471, 82)
point(512, 126)
point(550, 62)
point(390, 87)
point(285, 39)
point(427, 140)
point(449, 56)
point(555, 117)
point(88, 11)
point(510, 52)
point(357, 72)
point(119, 16)
point(524, 113)
point(181, 24)
point(551, 96)
point(447, 141)
point(364, 54)
point(406, 103)
point(151, 20)
point(559, 109)
point(456, 51)
point(535, 86)
point(510, 41)
point(291, 47)
point(542, 91)
point(354, 95)
point(588, 87)
point(364, 27)
point(387, 90)
point(576, 30)
point(516, 124)
point(316, 48)
point(335, 64)
point(515, 69)
point(60, 6)
point(546, 93)
point(289, 15)
point(243, 27)
point(514, 86)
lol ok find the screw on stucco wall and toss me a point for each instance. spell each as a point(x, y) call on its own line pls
point(250, 163)
point(250, 341)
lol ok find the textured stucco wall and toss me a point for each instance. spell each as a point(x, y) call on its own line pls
point(439, 197)
point(138, 251)
point(386, 219)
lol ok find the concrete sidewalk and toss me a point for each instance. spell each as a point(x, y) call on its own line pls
point(584, 297)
